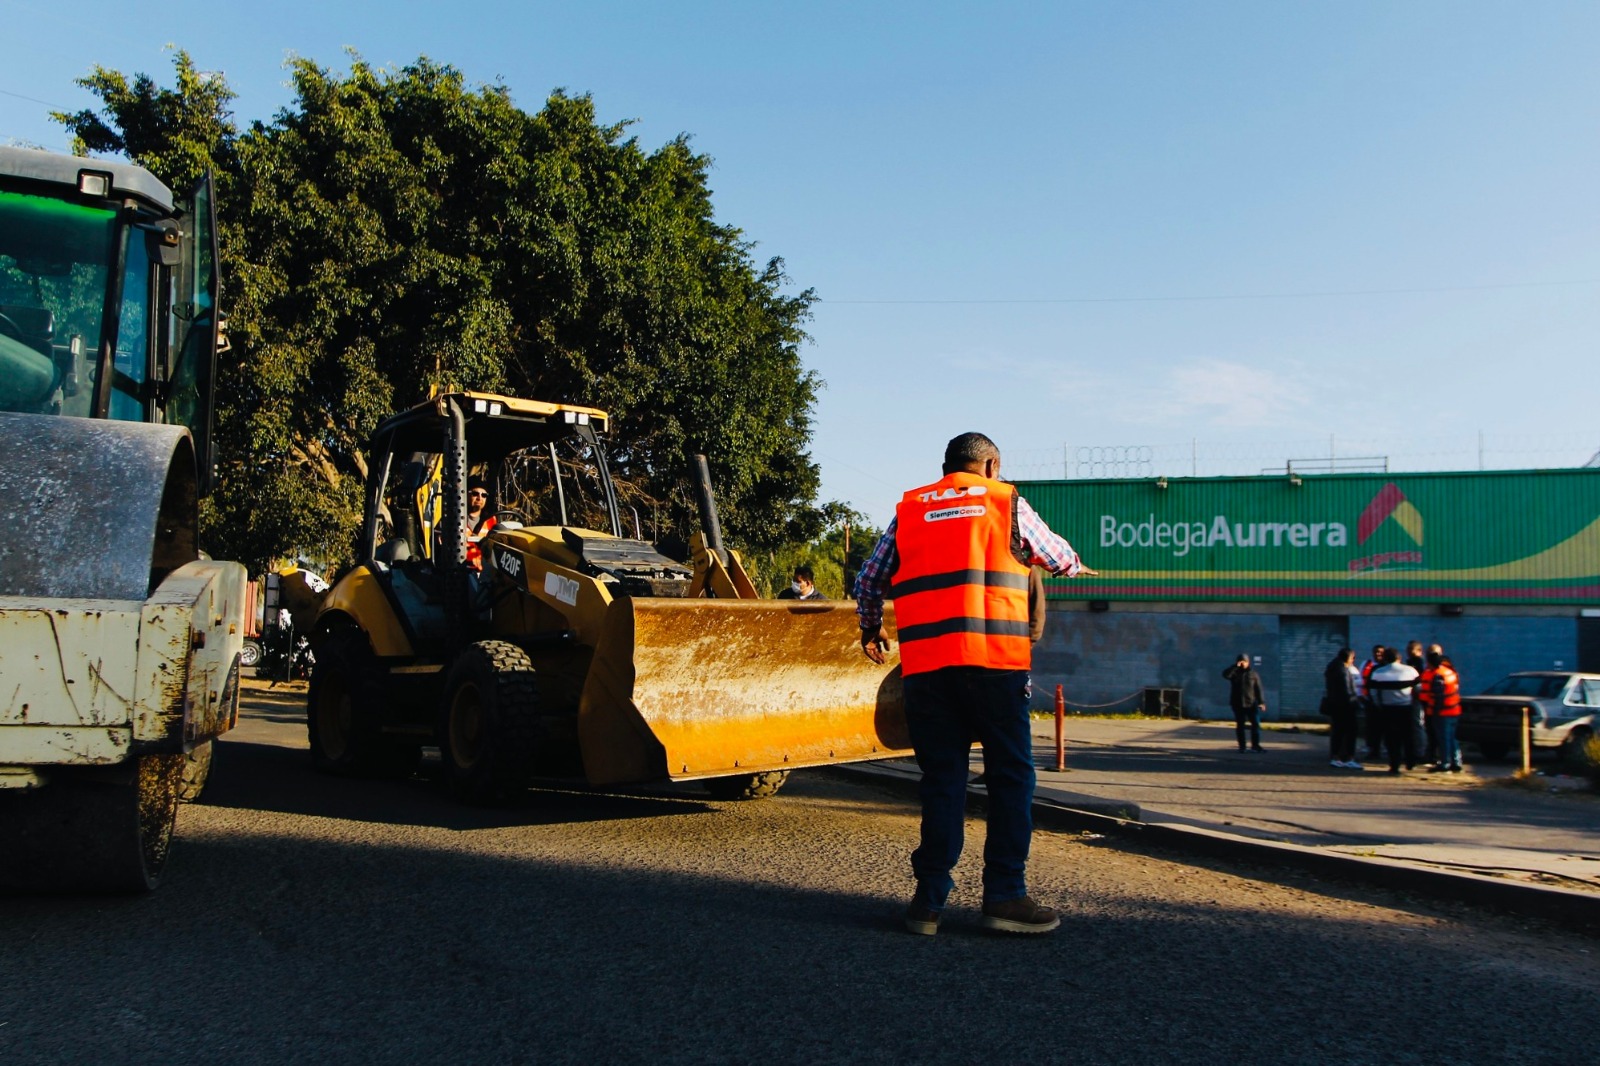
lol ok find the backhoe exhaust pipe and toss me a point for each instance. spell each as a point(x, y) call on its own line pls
point(708, 508)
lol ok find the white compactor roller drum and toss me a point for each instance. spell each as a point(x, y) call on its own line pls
point(119, 640)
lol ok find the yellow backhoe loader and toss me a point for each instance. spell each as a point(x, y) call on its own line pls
point(547, 643)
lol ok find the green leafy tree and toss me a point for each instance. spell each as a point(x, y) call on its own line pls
point(835, 555)
point(395, 231)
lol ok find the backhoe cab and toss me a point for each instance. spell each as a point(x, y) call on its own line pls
point(573, 651)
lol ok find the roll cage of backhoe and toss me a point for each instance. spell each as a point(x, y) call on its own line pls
point(430, 442)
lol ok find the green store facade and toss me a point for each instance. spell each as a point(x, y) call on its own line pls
point(1502, 568)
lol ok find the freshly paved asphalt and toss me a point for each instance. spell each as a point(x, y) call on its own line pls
point(305, 919)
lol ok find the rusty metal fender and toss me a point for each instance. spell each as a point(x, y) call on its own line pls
point(191, 631)
point(67, 669)
point(89, 682)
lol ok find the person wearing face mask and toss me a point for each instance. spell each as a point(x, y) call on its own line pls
point(803, 587)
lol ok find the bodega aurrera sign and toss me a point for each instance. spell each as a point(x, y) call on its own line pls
point(1501, 536)
point(1219, 532)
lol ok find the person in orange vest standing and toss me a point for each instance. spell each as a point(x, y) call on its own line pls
point(955, 559)
point(1440, 691)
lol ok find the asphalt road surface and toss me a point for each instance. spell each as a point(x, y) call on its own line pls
point(305, 919)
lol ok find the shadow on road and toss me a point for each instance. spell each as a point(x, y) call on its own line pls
point(271, 777)
point(772, 938)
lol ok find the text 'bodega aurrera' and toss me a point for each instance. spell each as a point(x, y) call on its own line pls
point(1180, 537)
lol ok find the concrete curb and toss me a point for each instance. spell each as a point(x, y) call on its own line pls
point(1071, 813)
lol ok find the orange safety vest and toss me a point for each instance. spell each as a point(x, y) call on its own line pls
point(960, 591)
point(474, 552)
point(1450, 706)
point(1366, 676)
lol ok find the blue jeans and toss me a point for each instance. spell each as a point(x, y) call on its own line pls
point(1444, 732)
point(946, 710)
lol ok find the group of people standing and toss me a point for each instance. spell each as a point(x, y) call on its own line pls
point(1410, 704)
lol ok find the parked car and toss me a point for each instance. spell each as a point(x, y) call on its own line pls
point(1563, 708)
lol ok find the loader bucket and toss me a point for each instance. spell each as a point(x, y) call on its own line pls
point(686, 689)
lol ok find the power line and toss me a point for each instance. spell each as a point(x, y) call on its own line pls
point(857, 469)
point(32, 99)
point(1232, 296)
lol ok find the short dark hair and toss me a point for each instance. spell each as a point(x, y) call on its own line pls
point(804, 570)
point(968, 448)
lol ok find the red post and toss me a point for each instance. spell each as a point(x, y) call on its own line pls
point(1061, 726)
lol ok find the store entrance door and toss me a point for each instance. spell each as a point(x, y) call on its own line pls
point(1306, 644)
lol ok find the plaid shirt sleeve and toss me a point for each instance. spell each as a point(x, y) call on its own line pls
point(872, 583)
point(1049, 550)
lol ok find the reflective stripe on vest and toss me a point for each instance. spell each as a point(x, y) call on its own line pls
point(960, 593)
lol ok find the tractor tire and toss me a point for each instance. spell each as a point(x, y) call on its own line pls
point(489, 730)
point(196, 771)
point(103, 831)
point(746, 786)
point(1494, 750)
point(344, 713)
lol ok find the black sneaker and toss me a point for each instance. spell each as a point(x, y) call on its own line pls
point(921, 919)
point(1019, 916)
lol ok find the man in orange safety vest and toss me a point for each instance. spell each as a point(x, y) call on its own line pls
point(956, 560)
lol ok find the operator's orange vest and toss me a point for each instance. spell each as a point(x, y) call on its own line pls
point(960, 592)
point(474, 552)
point(1451, 704)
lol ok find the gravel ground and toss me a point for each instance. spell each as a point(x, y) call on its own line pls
point(308, 919)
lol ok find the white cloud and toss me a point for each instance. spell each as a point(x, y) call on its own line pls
point(1221, 393)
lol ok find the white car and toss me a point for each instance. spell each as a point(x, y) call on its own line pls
point(1562, 709)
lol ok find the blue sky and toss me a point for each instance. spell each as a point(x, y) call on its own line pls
point(1227, 232)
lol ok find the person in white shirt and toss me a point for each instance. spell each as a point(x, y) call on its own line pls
point(1390, 686)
